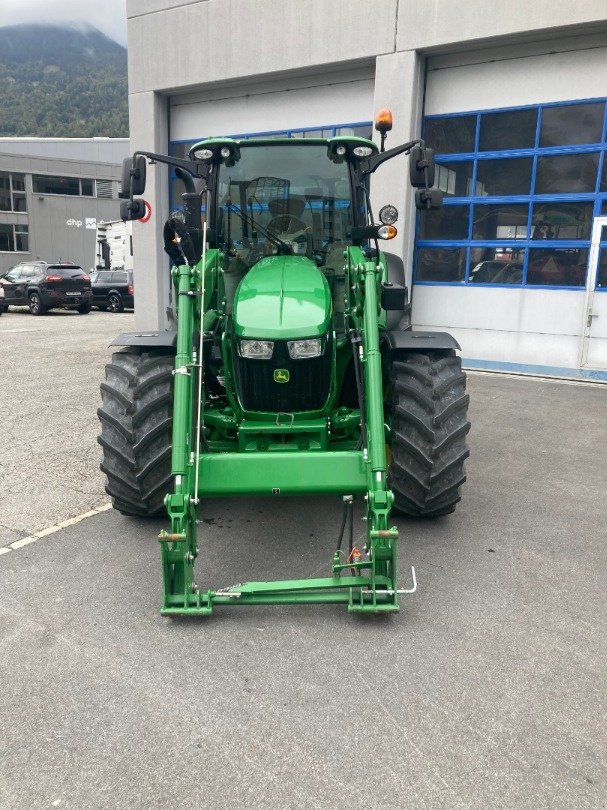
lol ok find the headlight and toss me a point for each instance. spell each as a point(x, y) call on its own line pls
point(362, 151)
point(388, 215)
point(301, 349)
point(257, 349)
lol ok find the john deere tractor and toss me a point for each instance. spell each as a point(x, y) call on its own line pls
point(293, 369)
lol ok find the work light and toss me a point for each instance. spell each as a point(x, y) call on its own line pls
point(256, 349)
point(362, 151)
point(302, 349)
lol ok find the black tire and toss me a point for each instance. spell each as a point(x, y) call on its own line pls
point(136, 417)
point(114, 302)
point(429, 428)
point(35, 304)
point(84, 309)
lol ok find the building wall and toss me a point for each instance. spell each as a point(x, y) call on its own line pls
point(238, 66)
point(61, 227)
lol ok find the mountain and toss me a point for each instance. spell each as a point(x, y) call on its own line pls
point(62, 82)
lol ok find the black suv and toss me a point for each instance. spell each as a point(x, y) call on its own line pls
point(113, 289)
point(42, 286)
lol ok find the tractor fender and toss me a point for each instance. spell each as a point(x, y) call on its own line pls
point(149, 340)
point(396, 275)
point(397, 340)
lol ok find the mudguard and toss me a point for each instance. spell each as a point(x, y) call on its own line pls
point(396, 340)
point(149, 340)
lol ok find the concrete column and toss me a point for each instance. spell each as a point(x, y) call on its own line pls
point(399, 85)
point(149, 131)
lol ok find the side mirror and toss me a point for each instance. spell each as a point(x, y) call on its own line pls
point(420, 162)
point(428, 199)
point(132, 209)
point(133, 176)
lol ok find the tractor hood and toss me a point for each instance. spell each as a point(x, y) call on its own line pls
point(282, 297)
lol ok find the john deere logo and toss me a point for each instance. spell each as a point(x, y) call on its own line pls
point(281, 375)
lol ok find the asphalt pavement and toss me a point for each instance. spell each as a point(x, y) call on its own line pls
point(487, 690)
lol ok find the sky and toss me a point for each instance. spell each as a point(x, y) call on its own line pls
point(108, 16)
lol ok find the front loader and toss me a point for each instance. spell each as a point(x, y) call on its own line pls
point(293, 369)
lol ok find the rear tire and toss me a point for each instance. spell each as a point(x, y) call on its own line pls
point(136, 430)
point(35, 304)
point(84, 309)
point(429, 428)
point(114, 303)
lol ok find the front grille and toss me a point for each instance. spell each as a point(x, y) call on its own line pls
point(307, 389)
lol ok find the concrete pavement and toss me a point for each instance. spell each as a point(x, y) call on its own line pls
point(487, 690)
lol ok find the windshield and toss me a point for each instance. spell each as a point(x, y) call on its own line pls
point(284, 198)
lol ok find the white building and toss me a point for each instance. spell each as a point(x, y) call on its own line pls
point(511, 95)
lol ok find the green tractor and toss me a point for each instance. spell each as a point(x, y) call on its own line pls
point(293, 369)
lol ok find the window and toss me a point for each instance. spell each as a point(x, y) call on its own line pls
point(504, 221)
point(7, 237)
point(572, 124)
point(47, 184)
point(522, 187)
point(508, 130)
point(12, 192)
point(449, 135)
point(566, 174)
point(14, 238)
point(21, 238)
point(71, 186)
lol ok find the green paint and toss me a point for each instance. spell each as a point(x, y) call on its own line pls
point(282, 297)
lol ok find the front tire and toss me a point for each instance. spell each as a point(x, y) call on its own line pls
point(429, 428)
point(35, 304)
point(136, 430)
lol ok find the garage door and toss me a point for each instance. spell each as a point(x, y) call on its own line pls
point(507, 264)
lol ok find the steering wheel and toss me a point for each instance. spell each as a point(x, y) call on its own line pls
point(287, 224)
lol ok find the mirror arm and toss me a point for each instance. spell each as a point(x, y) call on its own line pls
point(375, 161)
point(195, 169)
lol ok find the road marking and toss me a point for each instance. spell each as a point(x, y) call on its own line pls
point(12, 331)
point(535, 377)
point(26, 541)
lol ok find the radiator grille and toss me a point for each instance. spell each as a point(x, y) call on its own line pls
point(307, 389)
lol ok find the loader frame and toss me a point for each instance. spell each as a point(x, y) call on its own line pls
point(367, 584)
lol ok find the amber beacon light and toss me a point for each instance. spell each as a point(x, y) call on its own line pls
point(383, 124)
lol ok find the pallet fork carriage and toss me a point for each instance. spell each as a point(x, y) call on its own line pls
point(291, 381)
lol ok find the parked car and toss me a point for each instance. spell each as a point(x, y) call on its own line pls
point(3, 304)
point(113, 289)
point(42, 286)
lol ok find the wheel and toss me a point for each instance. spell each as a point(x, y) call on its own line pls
point(84, 309)
point(35, 304)
point(429, 427)
point(114, 303)
point(136, 418)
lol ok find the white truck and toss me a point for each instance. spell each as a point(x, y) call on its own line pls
point(114, 246)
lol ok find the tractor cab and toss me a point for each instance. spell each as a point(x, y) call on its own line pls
point(297, 197)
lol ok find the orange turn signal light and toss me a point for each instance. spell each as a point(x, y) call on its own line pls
point(383, 120)
point(387, 232)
